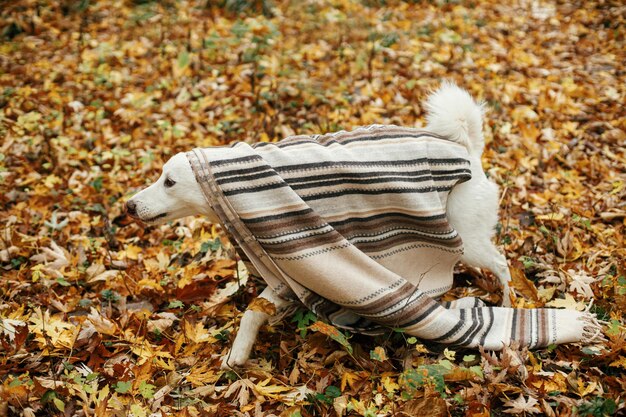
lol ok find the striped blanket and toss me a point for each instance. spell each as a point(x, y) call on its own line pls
point(353, 225)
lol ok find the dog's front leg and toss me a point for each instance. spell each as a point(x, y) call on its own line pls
point(249, 326)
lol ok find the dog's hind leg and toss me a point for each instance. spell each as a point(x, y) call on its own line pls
point(249, 327)
point(487, 256)
point(500, 268)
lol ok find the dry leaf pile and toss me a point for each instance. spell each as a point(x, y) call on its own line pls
point(101, 316)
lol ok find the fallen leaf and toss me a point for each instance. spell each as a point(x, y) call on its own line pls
point(522, 284)
point(262, 305)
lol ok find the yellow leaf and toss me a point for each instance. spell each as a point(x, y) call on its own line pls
point(621, 362)
point(137, 410)
point(582, 390)
point(569, 302)
point(550, 216)
point(524, 113)
point(185, 280)
point(449, 354)
point(546, 294)
point(349, 378)
point(556, 382)
point(197, 333)
point(420, 348)
point(149, 283)
point(389, 383)
point(101, 394)
point(270, 391)
point(52, 330)
point(36, 272)
point(51, 180)
point(164, 261)
point(164, 364)
point(202, 374)
point(131, 252)
point(262, 305)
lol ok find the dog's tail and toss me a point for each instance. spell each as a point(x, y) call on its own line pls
point(454, 114)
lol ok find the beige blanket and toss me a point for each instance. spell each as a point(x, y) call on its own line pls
point(353, 224)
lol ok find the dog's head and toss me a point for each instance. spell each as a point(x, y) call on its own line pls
point(176, 194)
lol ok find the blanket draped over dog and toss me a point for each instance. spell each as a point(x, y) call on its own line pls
point(353, 224)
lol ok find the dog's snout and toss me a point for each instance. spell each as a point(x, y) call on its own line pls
point(131, 208)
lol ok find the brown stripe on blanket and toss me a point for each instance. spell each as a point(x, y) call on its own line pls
point(374, 246)
point(413, 306)
point(307, 241)
point(542, 339)
point(385, 210)
point(278, 227)
point(436, 227)
point(380, 224)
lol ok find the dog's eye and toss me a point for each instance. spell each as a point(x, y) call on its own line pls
point(169, 182)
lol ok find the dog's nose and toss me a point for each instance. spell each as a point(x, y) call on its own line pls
point(131, 208)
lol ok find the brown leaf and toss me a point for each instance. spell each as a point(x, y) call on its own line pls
point(427, 406)
point(522, 284)
point(459, 374)
point(200, 289)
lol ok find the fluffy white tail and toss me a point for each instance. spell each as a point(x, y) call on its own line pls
point(454, 114)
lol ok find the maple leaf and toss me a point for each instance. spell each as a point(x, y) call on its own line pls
point(522, 406)
point(52, 330)
point(146, 390)
point(54, 259)
point(262, 305)
point(581, 283)
point(621, 362)
point(7, 327)
point(568, 302)
point(242, 387)
point(270, 391)
point(101, 324)
point(297, 393)
point(349, 378)
point(196, 333)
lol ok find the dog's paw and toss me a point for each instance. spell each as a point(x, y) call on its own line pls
point(234, 359)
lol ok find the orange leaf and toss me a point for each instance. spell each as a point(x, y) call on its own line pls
point(262, 305)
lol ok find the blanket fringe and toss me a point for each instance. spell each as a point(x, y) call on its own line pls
point(592, 329)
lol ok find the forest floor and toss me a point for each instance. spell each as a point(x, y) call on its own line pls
point(102, 316)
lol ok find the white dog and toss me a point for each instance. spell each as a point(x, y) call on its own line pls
point(472, 206)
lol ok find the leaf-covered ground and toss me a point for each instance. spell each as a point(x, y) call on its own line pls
point(101, 316)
